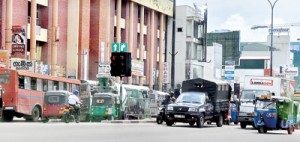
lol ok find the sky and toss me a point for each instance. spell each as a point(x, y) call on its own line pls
point(243, 14)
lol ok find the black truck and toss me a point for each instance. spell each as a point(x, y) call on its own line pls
point(201, 100)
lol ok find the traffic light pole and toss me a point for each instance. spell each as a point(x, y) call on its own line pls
point(121, 96)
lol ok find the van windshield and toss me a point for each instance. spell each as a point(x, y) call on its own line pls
point(250, 95)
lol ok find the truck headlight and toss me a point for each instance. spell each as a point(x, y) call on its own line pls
point(192, 109)
point(170, 108)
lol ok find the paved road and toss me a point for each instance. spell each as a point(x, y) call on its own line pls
point(106, 132)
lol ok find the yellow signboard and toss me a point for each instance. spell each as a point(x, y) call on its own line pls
point(163, 6)
point(3, 58)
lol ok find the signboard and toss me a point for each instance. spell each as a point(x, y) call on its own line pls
point(163, 6)
point(45, 69)
point(292, 71)
point(26, 65)
point(263, 82)
point(38, 67)
point(4, 58)
point(165, 72)
point(115, 47)
point(18, 47)
point(137, 67)
point(103, 70)
point(119, 47)
point(229, 70)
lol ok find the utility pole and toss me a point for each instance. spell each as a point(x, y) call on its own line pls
point(271, 34)
point(173, 46)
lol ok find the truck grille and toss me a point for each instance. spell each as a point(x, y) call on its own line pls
point(181, 109)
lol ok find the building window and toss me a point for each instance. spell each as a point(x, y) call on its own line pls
point(188, 51)
point(179, 29)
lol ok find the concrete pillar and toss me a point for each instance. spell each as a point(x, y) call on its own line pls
point(33, 9)
point(161, 47)
point(53, 41)
point(130, 43)
point(152, 48)
point(119, 10)
point(8, 27)
point(142, 10)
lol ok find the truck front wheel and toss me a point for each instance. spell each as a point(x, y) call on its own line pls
point(200, 121)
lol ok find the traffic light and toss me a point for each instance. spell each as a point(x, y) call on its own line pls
point(120, 64)
point(114, 69)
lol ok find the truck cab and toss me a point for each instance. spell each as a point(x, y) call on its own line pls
point(190, 107)
point(246, 106)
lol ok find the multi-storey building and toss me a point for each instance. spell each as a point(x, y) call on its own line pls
point(74, 36)
point(189, 43)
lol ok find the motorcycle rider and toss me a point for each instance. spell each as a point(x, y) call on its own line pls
point(74, 101)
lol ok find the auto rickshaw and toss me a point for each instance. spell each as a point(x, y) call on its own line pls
point(273, 113)
point(55, 105)
point(103, 106)
point(296, 113)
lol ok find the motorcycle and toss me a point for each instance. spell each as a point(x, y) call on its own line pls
point(71, 115)
point(160, 118)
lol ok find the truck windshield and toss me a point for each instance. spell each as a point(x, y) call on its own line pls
point(250, 95)
point(265, 104)
point(191, 97)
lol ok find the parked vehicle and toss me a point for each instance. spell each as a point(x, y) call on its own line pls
point(104, 106)
point(273, 113)
point(201, 100)
point(255, 86)
point(55, 105)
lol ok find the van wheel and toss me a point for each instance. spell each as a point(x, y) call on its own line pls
point(243, 125)
point(220, 121)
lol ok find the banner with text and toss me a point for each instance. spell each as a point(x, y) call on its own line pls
point(18, 46)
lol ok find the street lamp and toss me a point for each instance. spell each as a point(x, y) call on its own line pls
point(271, 33)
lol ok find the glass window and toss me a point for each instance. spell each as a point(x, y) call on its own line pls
point(45, 85)
point(68, 87)
point(219, 87)
point(39, 85)
point(27, 83)
point(61, 86)
point(4, 79)
point(21, 82)
point(50, 85)
point(55, 85)
point(33, 83)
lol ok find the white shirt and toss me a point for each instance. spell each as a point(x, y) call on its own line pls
point(73, 100)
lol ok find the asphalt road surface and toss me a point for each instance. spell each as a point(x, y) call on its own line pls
point(141, 132)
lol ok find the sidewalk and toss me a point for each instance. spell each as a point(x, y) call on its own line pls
point(147, 120)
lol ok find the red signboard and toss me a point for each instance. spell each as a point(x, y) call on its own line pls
point(18, 47)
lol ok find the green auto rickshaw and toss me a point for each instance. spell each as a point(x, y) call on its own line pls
point(104, 106)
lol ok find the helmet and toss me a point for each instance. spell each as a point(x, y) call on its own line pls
point(75, 92)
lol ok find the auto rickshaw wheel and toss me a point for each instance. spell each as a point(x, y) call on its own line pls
point(7, 116)
point(290, 130)
point(45, 120)
point(260, 129)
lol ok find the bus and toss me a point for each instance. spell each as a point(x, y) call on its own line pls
point(24, 92)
